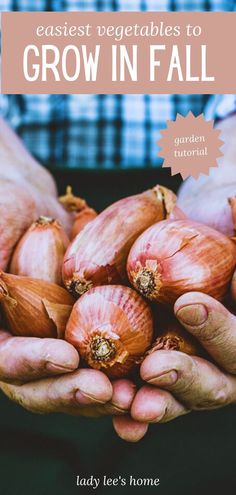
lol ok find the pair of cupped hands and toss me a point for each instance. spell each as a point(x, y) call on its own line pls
point(42, 375)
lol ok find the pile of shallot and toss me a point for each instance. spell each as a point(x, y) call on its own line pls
point(108, 284)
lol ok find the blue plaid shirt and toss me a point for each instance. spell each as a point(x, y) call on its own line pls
point(104, 131)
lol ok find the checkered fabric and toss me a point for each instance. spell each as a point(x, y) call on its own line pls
point(104, 131)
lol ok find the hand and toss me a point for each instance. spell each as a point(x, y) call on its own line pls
point(19, 165)
point(27, 190)
point(41, 375)
point(178, 383)
point(206, 199)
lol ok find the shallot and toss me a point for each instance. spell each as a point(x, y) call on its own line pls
point(174, 257)
point(98, 254)
point(34, 308)
point(40, 252)
point(111, 327)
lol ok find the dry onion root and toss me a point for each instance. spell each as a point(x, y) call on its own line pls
point(98, 254)
point(34, 308)
point(171, 335)
point(82, 213)
point(72, 203)
point(111, 327)
point(174, 257)
point(40, 252)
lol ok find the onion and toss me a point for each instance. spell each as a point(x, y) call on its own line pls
point(20, 206)
point(174, 257)
point(34, 308)
point(82, 219)
point(82, 213)
point(72, 203)
point(171, 335)
point(50, 207)
point(40, 252)
point(98, 254)
point(112, 328)
point(177, 214)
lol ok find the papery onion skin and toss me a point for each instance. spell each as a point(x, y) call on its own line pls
point(72, 203)
point(174, 257)
point(40, 252)
point(98, 254)
point(111, 327)
point(34, 308)
point(177, 214)
point(82, 219)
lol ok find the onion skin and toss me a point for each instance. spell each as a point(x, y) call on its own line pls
point(111, 327)
point(177, 214)
point(174, 257)
point(34, 308)
point(83, 218)
point(98, 254)
point(40, 252)
point(72, 203)
point(174, 340)
point(81, 213)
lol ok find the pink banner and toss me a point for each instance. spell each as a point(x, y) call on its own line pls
point(107, 52)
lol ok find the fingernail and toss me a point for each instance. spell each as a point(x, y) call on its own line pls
point(168, 378)
point(58, 368)
point(85, 399)
point(193, 315)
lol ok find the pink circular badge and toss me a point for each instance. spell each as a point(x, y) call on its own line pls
point(190, 145)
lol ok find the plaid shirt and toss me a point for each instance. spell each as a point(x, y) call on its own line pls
point(104, 131)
